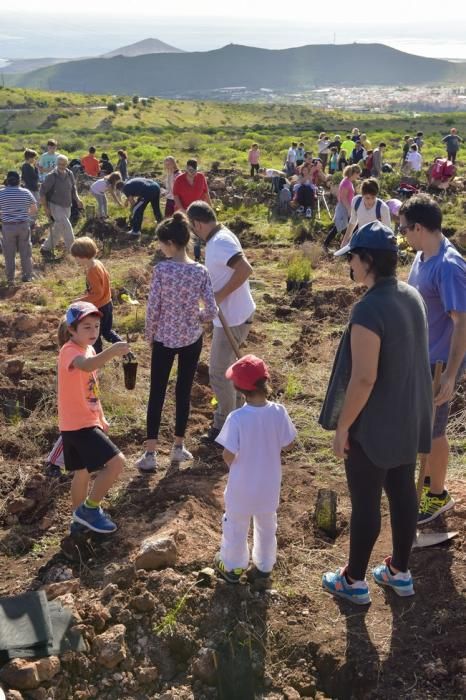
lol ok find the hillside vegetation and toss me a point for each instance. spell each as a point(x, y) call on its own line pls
point(184, 74)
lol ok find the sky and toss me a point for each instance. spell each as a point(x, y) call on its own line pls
point(86, 28)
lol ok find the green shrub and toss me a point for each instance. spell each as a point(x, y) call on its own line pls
point(298, 269)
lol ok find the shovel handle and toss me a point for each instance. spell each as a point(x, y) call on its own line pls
point(229, 334)
point(423, 461)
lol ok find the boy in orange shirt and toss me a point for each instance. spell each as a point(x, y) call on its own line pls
point(86, 447)
point(90, 163)
point(98, 291)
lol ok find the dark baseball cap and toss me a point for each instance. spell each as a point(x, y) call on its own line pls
point(12, 178)
point(374, 236)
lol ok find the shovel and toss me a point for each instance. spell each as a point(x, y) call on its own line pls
point(430, 539)
point(229, 334)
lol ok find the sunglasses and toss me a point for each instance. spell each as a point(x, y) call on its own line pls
point(349, 257)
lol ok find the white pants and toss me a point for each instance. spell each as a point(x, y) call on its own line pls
point(234, 550)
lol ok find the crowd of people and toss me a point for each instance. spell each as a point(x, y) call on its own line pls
point(378, 402)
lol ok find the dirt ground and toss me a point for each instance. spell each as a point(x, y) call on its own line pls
point(185, 638)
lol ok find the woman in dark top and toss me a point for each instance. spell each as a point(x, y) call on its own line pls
point(106, 168)
point(379, 402)
point(122, 165)
point(30, 172)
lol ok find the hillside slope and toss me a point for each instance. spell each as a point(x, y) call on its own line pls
point(184, 74)
point(140, 48)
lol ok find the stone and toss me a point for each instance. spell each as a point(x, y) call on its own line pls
point(206, 577)
point(291, 693)
point(20, 505)
point(67, 601)
point(108, 592)
point(144, 602)
point(204, 666)
point(109, 647)
point(27, 323)
point(28, 675)
point(122, 575)
point(97, 615)
point(147, 674)
point(53, 590)
point(157, 553)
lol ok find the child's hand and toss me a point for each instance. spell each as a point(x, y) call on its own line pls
point(121, 348)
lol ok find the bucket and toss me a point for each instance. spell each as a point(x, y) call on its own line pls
point(130, 369)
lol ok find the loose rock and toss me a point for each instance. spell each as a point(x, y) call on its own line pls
point(157, 553)
point(109, 647)
point(204, 666)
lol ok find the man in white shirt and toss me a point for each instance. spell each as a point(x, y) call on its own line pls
point(414, 159)
point(365, 208)
point(291, 157)
point(229, 271)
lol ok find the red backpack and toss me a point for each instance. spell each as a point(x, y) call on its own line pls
point(443, 169)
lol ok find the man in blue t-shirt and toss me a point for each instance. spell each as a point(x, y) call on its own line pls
point(141, 191)
point(439, 274)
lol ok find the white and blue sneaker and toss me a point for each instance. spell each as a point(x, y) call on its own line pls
point(94, 519)
point(335, 583)
point(401, 583)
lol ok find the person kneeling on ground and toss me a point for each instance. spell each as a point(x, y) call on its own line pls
point(252, 437)
point(174, 328)
point(87, 448)
point(379, 402)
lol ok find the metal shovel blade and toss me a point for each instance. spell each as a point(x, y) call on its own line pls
point(430, 539)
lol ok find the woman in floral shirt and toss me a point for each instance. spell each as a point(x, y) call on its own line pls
point(174, 327)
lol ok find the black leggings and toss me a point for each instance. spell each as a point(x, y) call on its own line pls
point(161, 365)
point(365, 482)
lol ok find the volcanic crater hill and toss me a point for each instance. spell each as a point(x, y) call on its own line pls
point(185, 74)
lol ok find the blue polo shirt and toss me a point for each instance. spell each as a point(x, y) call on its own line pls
point(441, 281)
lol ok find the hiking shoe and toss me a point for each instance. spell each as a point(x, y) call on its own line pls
point(432, 506)
point(309, 213)
point(255, 574)
point(210, 436)
point(232, 576)
point(134, 234)
point(148, 462)
point(94, 519)
point(335, 583)
point(401, 583)
point(179, 453)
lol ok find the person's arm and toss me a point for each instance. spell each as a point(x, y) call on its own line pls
point(116, 197)
point(455, 358)
point(241, 271)
point(46, 187)
point(365, 350)
point(351, 226)
point(153, 306)
point(210, 310)
point(385, 215)
point(89, 364)
point(228, 457)
point(178, 205)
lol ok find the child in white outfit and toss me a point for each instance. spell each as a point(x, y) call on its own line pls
point(252, 437)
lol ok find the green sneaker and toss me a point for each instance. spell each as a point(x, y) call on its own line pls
point(432, 506)
point(232, 576)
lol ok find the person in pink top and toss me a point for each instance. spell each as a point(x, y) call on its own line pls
point(86, 446)
point(345, 196)
point(254, 155)
point(174, 327)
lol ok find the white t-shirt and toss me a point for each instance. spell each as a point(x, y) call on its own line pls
point(239, 305)
point(291, 156)
point(100, 186)
point(365, 216)
point(414, 158)
point(256, 435)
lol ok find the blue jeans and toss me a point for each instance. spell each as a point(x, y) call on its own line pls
point(153, 197)
point(106, 331)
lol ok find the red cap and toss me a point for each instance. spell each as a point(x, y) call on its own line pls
point(246, 371)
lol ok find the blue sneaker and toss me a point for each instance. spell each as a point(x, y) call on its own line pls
point(94, 519)
point(335, 583)
point(401, 583)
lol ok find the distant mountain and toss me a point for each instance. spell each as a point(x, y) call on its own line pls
point(26, 65)
point(143, 47)
point(185, 74)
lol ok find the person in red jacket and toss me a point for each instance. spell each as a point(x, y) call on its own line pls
point(90, 163)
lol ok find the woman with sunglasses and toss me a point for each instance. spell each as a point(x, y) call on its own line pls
point(379, 402)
